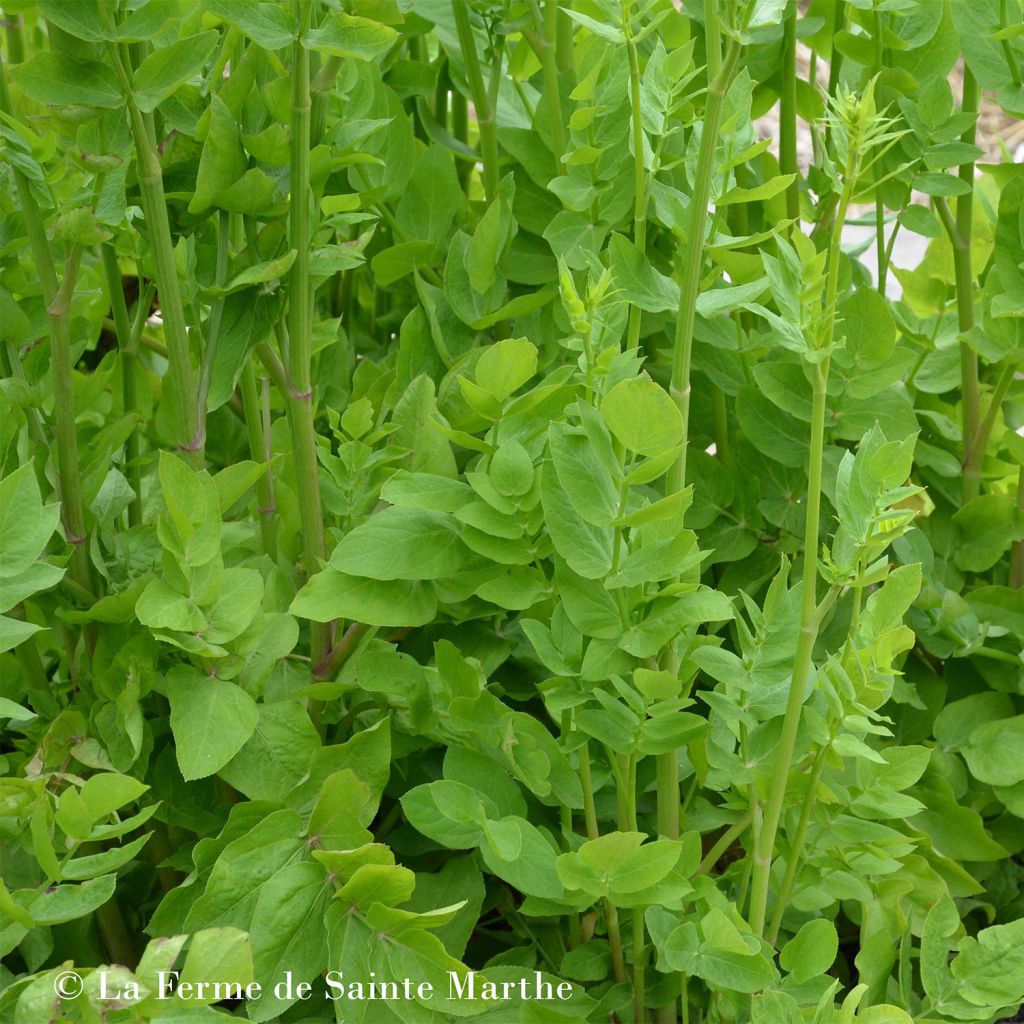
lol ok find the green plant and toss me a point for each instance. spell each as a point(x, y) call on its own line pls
point(472, 522)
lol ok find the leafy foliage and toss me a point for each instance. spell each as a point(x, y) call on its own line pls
point(469, 514)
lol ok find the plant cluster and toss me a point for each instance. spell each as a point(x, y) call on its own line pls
point(470, 516)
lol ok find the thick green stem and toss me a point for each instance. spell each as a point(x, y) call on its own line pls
point(693, 256)
point(545, 43)
point(590, 818)
point(809, 618)
point(975, 456)
point(886, 258)
point(787, 113)
point(796, 847)
point(172, 311)
point(129, 374)
point(320, 89)
point(460, 130)
point(58, 304)
point(72, 507)
point(964, 277)
point(485, 117)
point(835, 65)
point(216, 314)
point(639, 171)
point(879, 205)
point(1008, 55)
point(299, 395)
point(563, 35)
point(117, 940)
point(626, 791)
point(682, 356)
point(728, 837)
point(15, 33)
point(257, 426)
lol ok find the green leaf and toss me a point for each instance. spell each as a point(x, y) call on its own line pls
point(278, 754)
point(506, 366)
point(26, 525)
point(390, 884)
point(585, 479)
point(222, 161)
point(335, 820)
point(993, 752)
point(79, 868)
point(530, 867)
point(642, 416)
point(160, 74)
point(268, 24)
point(217, 956)
point(811, 951)
point(287, 934)
point(331, 594)
point(69, 902)
point(105, 793)
point(344, 35)
point(429, 203)
point(990, 969)
point(642, 284)
point(211, 719)
point(81, 19)
point(402, 544)
point(988, 525)
point(63, 81)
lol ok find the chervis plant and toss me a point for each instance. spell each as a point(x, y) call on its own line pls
point(512, 510)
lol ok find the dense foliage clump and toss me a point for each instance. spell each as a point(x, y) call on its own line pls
point(474, 519)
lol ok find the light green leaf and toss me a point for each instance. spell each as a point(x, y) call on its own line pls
point(811, 951)
point(211, 719)
point(402, 544)
point(169, 66)
point(642, 416)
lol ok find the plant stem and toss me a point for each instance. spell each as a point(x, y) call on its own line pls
point(216, 313)
point(115, 935)
point(639, 171)
point(15, 33)
point(154, 203)
point(879, 206)
point(626, 780)
point(731, 834)
point(964, 277)
point(319, 90)
point(787, 114)
point(835, 64)
point(590, 818)
point(481, 101)
point(58, 305)
point(257, 426)
point(129, 374)
point(682, 355)
point(544, 43)
point(883, 267)
point(809, 619)
point(562, 35)
point(682, 351)
point(976, 454)
point(1008, 54)
point(299, 395)
point(565, 820)
point(796, 847)
point(460, 130)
